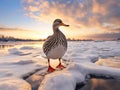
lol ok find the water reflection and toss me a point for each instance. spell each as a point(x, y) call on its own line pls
point(101, 84)
point(8, 45)
point(5, 46)
point(104, 84)
point(110, 62)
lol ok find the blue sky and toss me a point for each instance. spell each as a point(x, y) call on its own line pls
point(87, 18)
point(12, 14)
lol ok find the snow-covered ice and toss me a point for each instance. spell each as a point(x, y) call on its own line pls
point(22, 60)
point(13, 84)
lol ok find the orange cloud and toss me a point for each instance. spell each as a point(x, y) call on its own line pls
point(20, 33)
point(84, 16)
point(31, 8)
point(99, 8)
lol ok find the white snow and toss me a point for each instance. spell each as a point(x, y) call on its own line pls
point(76, 73)
point(19, 61)
point(26, 48)
point(14, 84)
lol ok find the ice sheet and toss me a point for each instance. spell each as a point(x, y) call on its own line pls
point(20, 61)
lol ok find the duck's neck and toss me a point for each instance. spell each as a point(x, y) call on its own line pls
point(55, 29)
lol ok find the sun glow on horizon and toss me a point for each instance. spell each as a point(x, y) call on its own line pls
point(86, 18)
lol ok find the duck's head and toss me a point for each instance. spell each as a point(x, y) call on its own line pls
point(58, 22)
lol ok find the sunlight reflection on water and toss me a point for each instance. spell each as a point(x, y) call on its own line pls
point(8, 45)
point(110, 62)
point(104, 84)
point(5, 46)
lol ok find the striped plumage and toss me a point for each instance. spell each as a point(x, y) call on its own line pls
point(56, 39)
point(55, 45)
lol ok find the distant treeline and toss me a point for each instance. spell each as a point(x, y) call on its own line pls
point(9, 38)
point(69, 39)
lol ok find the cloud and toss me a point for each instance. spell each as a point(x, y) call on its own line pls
point(31, 8)
point(20, 33)
point(111, 27)
point(87, 15)
point(9, 29)
point(106, 36)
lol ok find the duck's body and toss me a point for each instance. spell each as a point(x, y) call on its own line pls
point(55, 45)
point(57, 52)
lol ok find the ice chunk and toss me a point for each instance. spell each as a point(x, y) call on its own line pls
point(58, 81)
point(14, 51)
point(14, 84)
point(26, 48)
point(24, 62)
point(76, 73)
point(18, 52)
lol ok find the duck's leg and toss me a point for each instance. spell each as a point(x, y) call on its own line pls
point(50, 69)
point(60, 64)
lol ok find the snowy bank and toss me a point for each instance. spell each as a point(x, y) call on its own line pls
point(21, 62)
point(14, 84)
point(76, 73)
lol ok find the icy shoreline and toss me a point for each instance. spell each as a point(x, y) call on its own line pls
point(24, 61)
point(76, 73)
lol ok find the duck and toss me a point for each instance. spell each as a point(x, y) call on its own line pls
point(55, 45)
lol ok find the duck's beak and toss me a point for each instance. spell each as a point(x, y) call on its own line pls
point(62, 24)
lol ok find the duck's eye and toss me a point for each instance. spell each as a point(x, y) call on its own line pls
point(59, 21)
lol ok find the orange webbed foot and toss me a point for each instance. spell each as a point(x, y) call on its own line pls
point(50, 69)
point(60, 66)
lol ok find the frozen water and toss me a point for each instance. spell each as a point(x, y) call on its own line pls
point(23, 60)
point(14, 84)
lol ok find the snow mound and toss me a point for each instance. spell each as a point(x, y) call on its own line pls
point(76, 73)
point(14, 84)
point(24, 62)
point(16, 51)
point(26, 48)
point(60, 81)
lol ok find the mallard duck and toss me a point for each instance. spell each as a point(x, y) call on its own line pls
point(55, 45)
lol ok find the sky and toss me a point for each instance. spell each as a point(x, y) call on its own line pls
point(88, 19)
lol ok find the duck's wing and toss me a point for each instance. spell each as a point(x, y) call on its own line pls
point(49, 43)
point(53, 41)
